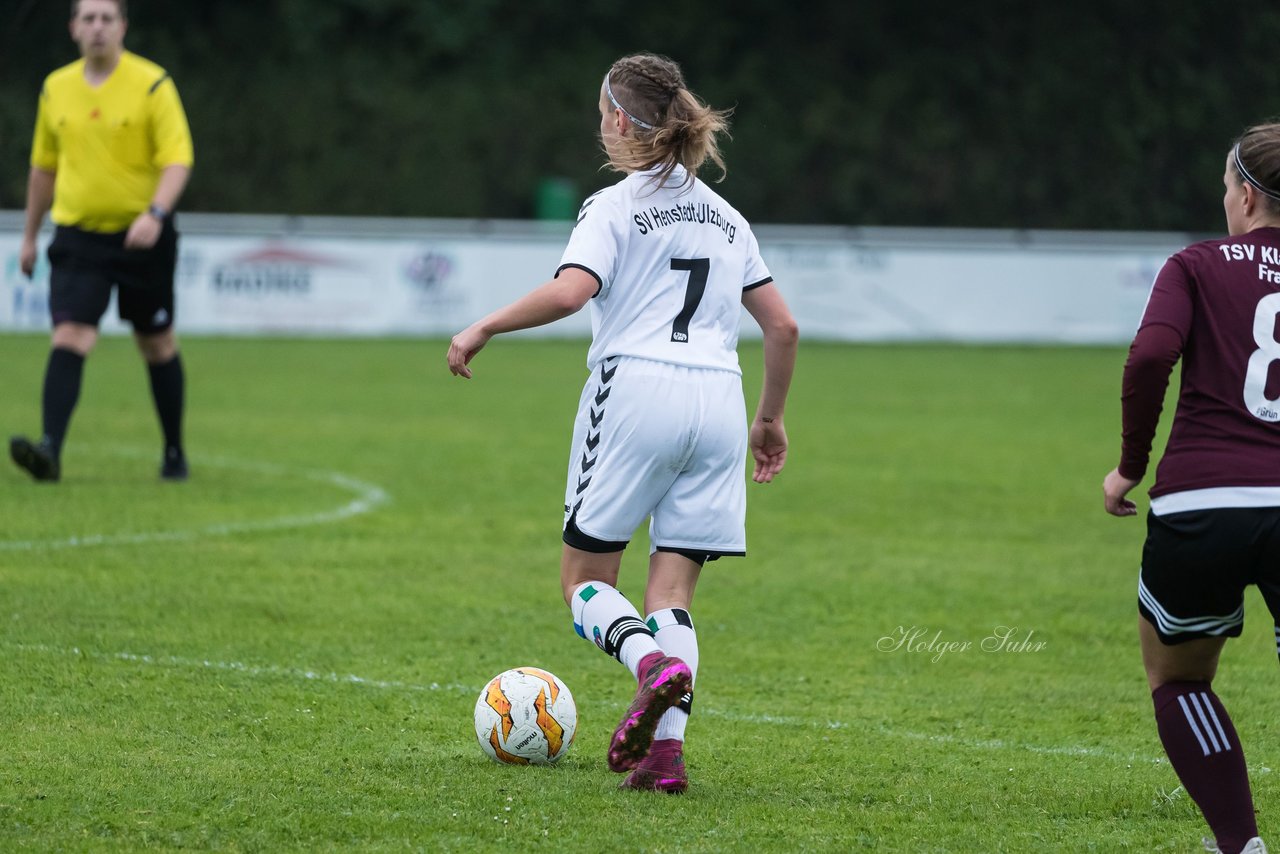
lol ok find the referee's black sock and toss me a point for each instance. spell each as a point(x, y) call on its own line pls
point(168, 390)
point(62, 379)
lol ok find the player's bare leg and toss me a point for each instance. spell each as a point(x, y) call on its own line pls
point(1193, 661)
point(577, 567)
point(672, 581)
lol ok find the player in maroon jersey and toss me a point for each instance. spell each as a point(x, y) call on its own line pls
point(1214, 524)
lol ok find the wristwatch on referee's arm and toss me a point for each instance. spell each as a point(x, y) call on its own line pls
point(158, 212)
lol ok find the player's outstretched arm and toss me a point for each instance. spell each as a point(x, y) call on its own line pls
point(562, 296)
point(768, 436)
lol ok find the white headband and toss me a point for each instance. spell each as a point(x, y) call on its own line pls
point(609, 91)
point(1244, 173)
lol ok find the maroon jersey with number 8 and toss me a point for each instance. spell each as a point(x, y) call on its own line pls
point(1217, 304)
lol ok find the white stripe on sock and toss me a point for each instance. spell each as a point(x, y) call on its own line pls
point(1226, 745)
point(1195, 730)
point(1204, 722)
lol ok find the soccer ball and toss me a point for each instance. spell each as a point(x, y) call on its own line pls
point(526, 716)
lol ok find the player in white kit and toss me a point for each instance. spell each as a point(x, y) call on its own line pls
point(661, 432)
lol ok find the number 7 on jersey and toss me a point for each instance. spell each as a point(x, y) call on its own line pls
point(698, 269)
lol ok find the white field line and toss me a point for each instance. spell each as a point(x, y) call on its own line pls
point(367, 497)
point(986, 745)
point(270, 670)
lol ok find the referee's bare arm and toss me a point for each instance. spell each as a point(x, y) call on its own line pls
point(768, 437)
point(39, 200)
point(145, 229)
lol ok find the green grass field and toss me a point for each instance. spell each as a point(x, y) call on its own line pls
point(283, 653)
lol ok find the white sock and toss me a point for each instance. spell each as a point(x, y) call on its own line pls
point(603, 615)
point(673, 630)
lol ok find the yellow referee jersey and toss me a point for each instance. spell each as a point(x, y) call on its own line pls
point(108, 145)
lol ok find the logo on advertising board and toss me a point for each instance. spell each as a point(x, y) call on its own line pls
point(428, 271)
point(190, 265)
point(430, 274)
point(274, 271)
point(1141, 275)
point(27, 300)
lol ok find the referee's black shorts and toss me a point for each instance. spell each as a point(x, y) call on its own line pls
point(1196, 565)
point(86, 266)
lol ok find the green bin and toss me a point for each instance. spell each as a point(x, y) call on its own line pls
point(556, 198)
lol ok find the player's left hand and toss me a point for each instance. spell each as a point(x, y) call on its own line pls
point(143, 233)
point(463, 348)
point(1114, 489)
point(768, 442)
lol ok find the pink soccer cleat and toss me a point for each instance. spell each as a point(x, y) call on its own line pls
point(661, 771)
point(665, 681)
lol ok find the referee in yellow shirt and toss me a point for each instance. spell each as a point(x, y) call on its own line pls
point(111, 155)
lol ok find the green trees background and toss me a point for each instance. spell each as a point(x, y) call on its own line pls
point(1092, 115)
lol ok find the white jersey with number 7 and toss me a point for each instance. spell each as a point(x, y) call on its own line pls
point(672, 262)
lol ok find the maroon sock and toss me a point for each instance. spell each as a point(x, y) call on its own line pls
point(1205, 752)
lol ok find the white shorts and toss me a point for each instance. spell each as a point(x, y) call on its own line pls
point(663, 441)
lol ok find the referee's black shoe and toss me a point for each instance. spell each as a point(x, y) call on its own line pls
point(174, 466)
point(37, 458)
